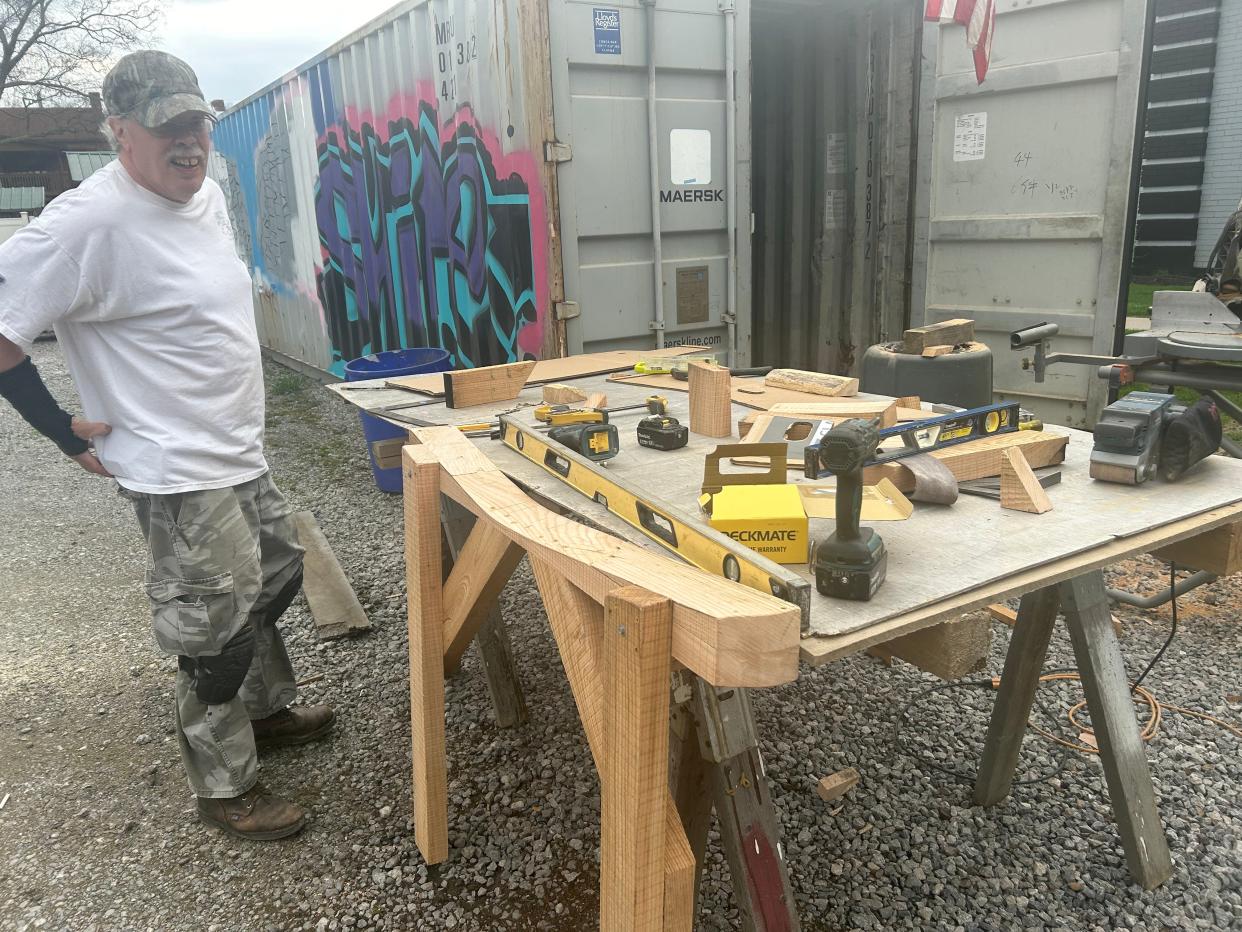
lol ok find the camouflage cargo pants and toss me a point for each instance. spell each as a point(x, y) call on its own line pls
point(222, 559)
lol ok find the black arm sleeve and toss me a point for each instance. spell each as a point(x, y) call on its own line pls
point(22, 387)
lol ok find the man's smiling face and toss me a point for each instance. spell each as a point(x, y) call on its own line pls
point(170, 160)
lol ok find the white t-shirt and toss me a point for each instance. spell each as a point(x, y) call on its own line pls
point(155, 315)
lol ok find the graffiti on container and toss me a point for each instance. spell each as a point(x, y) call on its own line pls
point(428, 237)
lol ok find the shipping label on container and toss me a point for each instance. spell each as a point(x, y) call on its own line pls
point(607, 25)
point(836, 203)
point(970, 137)
point(835, 154)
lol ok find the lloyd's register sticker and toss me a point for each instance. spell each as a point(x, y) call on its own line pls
point(607, 26)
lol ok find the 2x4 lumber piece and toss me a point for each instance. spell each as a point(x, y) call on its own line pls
point(979, 459)
point(480, 572)
point(711, 407)
point(426, 645)
point(815, 383)
point(931, 352)
point(1019, 487)
point(597, 401)
point(727, 633)
point(836, 785)
point(947, 332)
point(637, 642)
point(556, 394)
point(332, 601)
point(577, 624)
point(466, 387)
point(949, 650)
point(1218, 551)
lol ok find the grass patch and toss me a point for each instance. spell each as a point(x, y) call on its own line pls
point(1138, 298)
point(288, 383)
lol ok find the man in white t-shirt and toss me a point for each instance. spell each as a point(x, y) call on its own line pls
point(137, 271)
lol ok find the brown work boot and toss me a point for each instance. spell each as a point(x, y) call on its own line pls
point(255, 814)
point(293, 725)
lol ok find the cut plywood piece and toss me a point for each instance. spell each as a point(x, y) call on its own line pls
point(711, 410)
point(1020, 488)
point(979, 459)
point(947, 332)
point(814, 383)
point(1218, 551)
point(747, 390)
point(468, 387)
point(333, 604)
point(836, 785)
point(557, 394)
point(548, 370)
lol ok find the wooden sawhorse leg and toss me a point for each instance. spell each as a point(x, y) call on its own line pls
point(1107, 689)
point(716, 762)
point(492, 637)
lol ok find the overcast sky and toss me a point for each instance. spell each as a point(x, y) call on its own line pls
point(239, 46)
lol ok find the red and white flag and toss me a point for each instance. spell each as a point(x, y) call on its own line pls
point(979, 18)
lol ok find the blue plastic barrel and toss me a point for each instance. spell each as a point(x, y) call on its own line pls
point(389, 365)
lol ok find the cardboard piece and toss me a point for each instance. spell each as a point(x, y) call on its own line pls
point(880, 502)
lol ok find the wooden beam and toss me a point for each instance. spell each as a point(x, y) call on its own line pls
point(836, 785)
point(426, 645)
point(479, 574)
point(466, 387)
point(1019, 488)
point(332, 600)
point(729, 634)
point(577, 624)
point(815, 383)
point(949, 332)
point(1218, 551)
point(638, 630)
point(711, 410)
point(979, 459)
point(840, 409)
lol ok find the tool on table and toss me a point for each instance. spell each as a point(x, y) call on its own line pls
point(652, 404)
point(560, 415)
point(1145, 433)
point(850, 563)
point(597, 442)
point(925, 436)
point(666, 365)
point(682, 374)
point(661, 432)
point(665, 524)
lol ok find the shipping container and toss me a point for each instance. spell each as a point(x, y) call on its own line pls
point(504, 178)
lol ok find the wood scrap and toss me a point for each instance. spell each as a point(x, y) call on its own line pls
point(464, 388)
point(943, 349)
point(597, 401)
point(1003, 613)
point(333, 604)
point(947, 332)
point(711, 410)
point(949, 650)
point(841, 409)
point(1020, 488)
point(814, 383)
point(1218, 551)
point(979, 459)
point(558, 394)
point(910, 401)
point(836, 785)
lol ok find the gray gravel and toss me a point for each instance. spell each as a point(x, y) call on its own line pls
point(98, 831)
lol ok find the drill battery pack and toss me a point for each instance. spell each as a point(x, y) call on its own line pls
point(853, 569)
point(661, 432)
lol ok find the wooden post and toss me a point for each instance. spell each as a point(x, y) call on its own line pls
point(1103, 674)
point(638, 630)
point(711, 404)
point(426, 639)
point(1024, 661)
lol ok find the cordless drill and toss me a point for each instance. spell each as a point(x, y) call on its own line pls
point(851, 562)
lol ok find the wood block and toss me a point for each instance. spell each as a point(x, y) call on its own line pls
point(556, 394)
point(815, 383)
point(931, 352)
point(711, 409)
point(1218, 551)
point(979, 459)
point(947, 332)
point(597, 401)
point(638, 630)
point(1020, 488)
point(333, 603)
point(466, 387)
point(482, 568)
point(1002, 612)
point(836, 785)
point(387, 453)
point(910, 401)
point(426, 645)
point(949, 650)
point(840, 410)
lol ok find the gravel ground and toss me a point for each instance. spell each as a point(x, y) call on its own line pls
point(98, 830)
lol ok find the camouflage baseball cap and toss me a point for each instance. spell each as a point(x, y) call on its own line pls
point(153, 87)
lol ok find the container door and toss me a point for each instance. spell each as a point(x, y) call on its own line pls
point(600, 93)
point(1024, 187)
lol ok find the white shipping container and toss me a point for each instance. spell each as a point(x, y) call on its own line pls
point(503, 178)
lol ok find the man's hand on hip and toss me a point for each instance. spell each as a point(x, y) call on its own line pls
point(88, 431)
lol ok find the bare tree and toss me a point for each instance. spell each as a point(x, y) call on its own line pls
point(57, 51)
